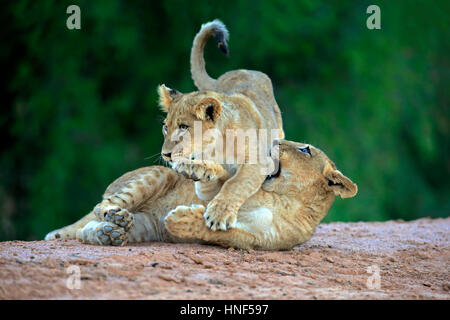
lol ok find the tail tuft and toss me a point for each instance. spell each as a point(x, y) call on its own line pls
point(214, 29)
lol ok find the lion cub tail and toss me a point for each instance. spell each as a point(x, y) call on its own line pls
point(218, 30)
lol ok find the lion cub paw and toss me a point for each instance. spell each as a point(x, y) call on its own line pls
point(198, 170)
point(221, 215)
point(102, 233)
point(114, 214)
point(186, 222)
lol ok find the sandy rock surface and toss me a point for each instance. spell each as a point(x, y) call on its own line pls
point(388, 260)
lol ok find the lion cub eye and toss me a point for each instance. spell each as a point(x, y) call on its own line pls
point(305, 150)
point(183, 126)
point(164, 129)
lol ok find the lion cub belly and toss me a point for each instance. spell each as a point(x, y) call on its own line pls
point(257, 221)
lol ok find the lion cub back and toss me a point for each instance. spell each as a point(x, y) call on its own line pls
point(258, 87)
point(253, 84)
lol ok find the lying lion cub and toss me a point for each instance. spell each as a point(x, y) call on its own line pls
point(239, 101)
point(157, 204)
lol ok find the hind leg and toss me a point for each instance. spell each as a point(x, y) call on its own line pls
point(70, 231)
point(256, 228)
point(188, 223)
point(120, 200)
point(130, 191)
point(146, 228)
point(90, 230)
point(126, 194)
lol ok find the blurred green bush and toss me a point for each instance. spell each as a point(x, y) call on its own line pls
point(80, 109)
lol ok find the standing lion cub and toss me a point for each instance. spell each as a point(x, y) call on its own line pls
point(239, 104)
point(158, 204)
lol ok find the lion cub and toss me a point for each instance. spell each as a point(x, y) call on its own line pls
point(158, 204)
point(238, 105)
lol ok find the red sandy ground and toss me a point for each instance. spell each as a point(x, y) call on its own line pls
point(412, 257)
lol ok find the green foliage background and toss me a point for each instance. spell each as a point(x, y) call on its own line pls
point(79, 106)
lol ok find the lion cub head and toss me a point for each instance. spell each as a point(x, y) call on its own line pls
point(306, 170)
point(183, 110)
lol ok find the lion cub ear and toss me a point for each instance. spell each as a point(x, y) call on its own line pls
point(166, 96)
point(208, 109)
point(340, 184)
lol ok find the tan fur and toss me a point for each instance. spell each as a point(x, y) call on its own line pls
point(240, 99)
point(163, 206)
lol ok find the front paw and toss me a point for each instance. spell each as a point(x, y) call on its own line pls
point(198, 170)
point(114, 214)
point(221, 215)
